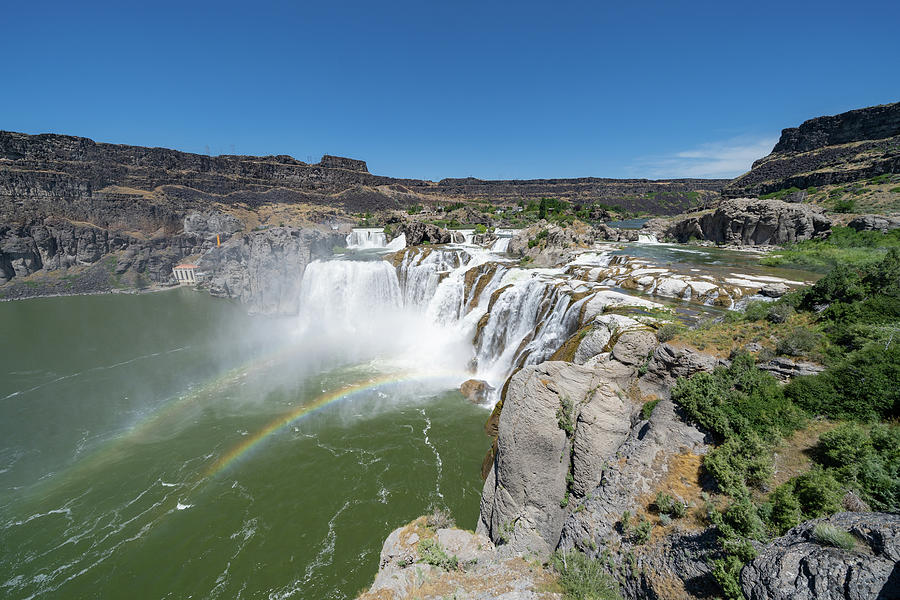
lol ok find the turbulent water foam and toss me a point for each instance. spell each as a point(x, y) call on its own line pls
point(426, 312)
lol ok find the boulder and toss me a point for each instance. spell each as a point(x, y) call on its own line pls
point(802, 565)
point(418, 232)
point(669, 362)
point(477, 391)
point(634, 347)
point(874, 223)
point(786, 368)
point(774, 290)
point(481, 573)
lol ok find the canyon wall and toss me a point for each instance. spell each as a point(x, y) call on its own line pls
point(854, 145)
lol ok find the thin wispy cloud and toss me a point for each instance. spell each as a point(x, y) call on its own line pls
point(721, 159)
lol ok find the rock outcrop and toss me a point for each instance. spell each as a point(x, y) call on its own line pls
point(263, 269)
point(854, 145)
point(418, 232)
point(749, 221)
point(410, 567)
point(874, 223)
point(521, 501)
point(546, 245)
point(803, 565)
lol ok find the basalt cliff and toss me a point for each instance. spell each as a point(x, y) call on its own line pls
point(848, 147)
point(78, 216)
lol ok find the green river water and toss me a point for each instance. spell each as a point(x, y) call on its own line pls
point(117, 415)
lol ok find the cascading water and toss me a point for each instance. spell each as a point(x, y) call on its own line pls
point(366, 238)
point(425, 312)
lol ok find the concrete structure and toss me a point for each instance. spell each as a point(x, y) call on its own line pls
point(185, 273)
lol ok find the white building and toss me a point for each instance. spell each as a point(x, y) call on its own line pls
point(185, 273)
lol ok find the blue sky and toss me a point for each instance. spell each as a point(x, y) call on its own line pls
point(431, 90)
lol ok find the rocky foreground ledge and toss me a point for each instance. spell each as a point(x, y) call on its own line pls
point(581, 453)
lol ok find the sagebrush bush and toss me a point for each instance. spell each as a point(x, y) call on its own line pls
point(583, 578)
point(799, 342)
point(439, 518)
point(432, 553)
point(667, 332)
point(779, 312)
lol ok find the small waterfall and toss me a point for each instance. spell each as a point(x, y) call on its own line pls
point(647, 238)
point(500, 245)
point(512, 317)
point(366, 238)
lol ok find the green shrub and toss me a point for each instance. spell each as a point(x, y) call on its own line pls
point(738, 400)
point(726, 571)
point(480, 228)
point(641, 533)
point(868, 462)
point(432, 553)
point(818, 493)
point(565, 415)
point(667, 505)
point(799, 342)
point(583, 578)
point(667, 332)
point(756, 310)
point(647, 408)
point(861, 387)
point(847, 445)
point(743, 517)
point(845, 205)
point(738, 463)
point(825, 533)
point(785, 509)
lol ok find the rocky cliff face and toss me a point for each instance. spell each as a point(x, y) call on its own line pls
point(264, 269)
point(748, 221)
point(68, 202)
point(854, 145)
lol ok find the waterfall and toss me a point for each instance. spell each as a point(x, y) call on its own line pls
point(501, 245)
point(365, 238)
point(647, 238)
point(448, 309)
point(341, 294)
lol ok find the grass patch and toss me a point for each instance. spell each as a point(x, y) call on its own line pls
point(844, 246)
point(830, 535)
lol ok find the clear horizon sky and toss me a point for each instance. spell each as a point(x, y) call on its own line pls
point(431, 90)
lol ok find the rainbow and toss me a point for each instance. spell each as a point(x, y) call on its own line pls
point(252, 441)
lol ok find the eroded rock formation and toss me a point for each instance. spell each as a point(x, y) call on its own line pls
point(750, 221)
